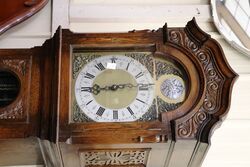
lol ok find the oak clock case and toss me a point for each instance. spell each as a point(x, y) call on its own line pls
point(128, 86)
point(103, 97)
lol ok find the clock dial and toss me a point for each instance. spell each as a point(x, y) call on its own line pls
point(114, 88)
point(125, 86)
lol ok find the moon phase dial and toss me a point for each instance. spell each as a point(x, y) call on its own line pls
point(171, 84)
point(172, 88)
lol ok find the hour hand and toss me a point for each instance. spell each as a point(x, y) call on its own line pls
point(95, 89)
point(120, 86)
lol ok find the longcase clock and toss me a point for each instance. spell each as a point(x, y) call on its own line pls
point(142, 98)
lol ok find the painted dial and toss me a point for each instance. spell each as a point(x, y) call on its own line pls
point(172, 88)
point(114, 88)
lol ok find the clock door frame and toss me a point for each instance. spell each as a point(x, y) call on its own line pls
point(129, 132)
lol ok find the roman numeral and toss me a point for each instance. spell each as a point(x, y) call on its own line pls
point(115, 114)
point(127, 66)
point(89, 76)
point(86, 89)
point(100, 111)
point(89, 102)
point(140, 100)
point(139, 75)
point(143, 88)
point(130, 110)
point(100, 66)
point(113, 59)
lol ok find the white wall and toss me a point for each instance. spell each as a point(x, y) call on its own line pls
point(231, 142)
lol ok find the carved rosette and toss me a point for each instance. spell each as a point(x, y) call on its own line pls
point(114, 157)
point(214, 84)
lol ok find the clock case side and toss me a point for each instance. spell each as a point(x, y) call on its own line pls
point(21, 118)
point(34, 111)
point(219, 79)
point(193, 131)
point(50, 53)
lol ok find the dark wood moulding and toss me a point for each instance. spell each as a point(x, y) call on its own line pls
point(15, 12)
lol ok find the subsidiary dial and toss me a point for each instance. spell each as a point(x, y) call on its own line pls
point(172, 88)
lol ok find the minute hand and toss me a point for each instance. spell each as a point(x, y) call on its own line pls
point(128, 85)
point(96, 89)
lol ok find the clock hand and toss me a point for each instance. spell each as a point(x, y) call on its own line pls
point(113, 87)
point(96, 89)
point(129, 85)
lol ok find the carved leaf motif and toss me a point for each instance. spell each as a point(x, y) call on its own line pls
point(16, 64)
point(17, 112)
point(214, 84)
point(190, 127)
point(175, 37)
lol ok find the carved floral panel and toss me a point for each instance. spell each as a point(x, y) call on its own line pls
point(120, 157)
